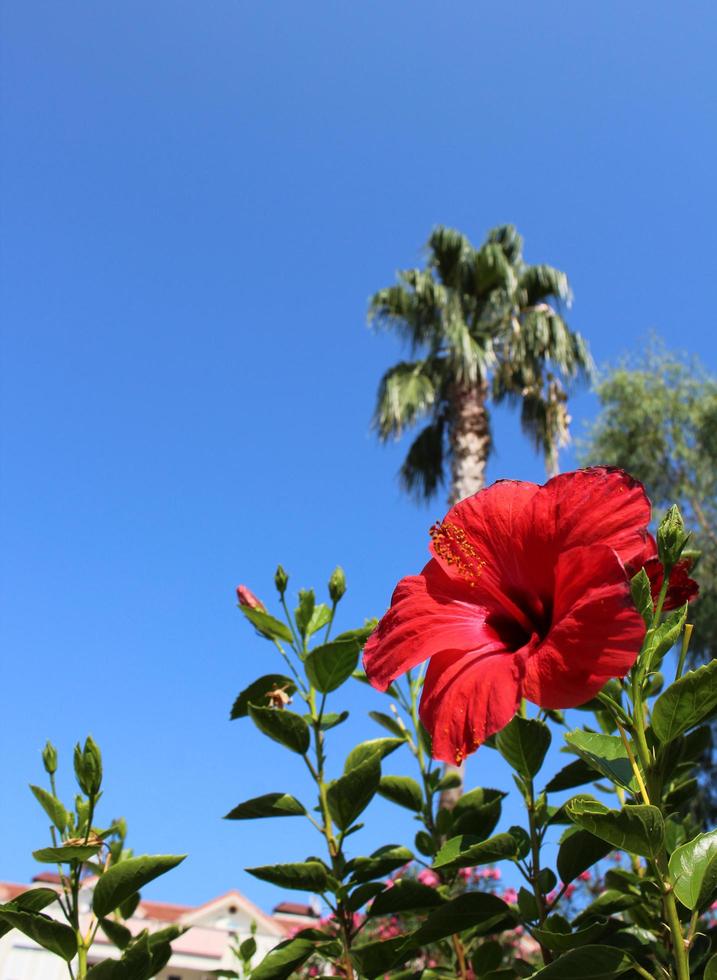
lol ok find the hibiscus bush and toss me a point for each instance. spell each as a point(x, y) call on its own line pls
point(535, 600)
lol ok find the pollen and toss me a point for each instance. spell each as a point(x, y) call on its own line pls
point(451, 543)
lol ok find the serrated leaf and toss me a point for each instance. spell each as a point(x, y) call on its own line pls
point(66, 855)
point(268, 805)
point(389, 723)
point(686, 703)
point(267, 625)
point(587, 963)
point(636, 827)
point(523, 744)
point(348, 796)
point(606, 753)
point(47, 932)
point(33, 900)
point(379, 747)
point(307, 876)
point(284, 727)
point(122, 880)
point(402, 790)
point(329, 665)
point(472, 910)
point(467, 852)
point(256, 693)
point(379, 864)
point(406, 895)
point(693, 870)
point(578, 851)
point(52, 807)
point(660, 639)
point(642, 595)
point(576, 773)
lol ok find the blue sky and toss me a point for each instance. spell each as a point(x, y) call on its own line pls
point(197, 201)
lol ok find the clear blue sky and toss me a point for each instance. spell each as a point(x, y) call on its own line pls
point(197, 200)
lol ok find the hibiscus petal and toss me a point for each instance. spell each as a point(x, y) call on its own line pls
point(477, 544)
point(468, 697)
point(600, 505)
point(429, 614)
point(596, 631)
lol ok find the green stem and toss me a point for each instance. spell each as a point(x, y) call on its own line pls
point(535, 867)
point(81, 957)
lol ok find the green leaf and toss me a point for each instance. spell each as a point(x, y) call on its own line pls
point(52, 807)
point(606, 753)
point(364, 893)
point(307, 876)
point(305, 610)
point(487, 957)
point(402, 790)
point(269, 805)
point(686, 703)
point(693, 870)
point(247, 949)
point(406, 895)
point(561, 942)
point(349, 795)
point(607, 903)
point(662, 638)
point(283, 960)
point(576, 773)
point(642, 595)
point(267, 625)
point(319, 618)
point(472, 910)
point(378, 747)
point(284, 727)
point(711, 969)
point(48, 933)
point(587, 963)
point(467, 852)
point(257, 692)
point(119, 935)
point(65, 855)
point(376, 959)
point(330, 720)
point(381, 863)
point(477, 812)
point(389, 723)
point(328, 666)
point(637, 827)
point(33, 900)
point(579, 850)
point(523, 743)
point(124, 879)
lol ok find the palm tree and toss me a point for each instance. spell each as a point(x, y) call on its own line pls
point(481, 325)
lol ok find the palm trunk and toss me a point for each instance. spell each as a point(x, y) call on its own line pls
point(470, 446)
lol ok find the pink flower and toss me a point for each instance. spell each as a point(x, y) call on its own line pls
point(465, 873)
point(584, 876)
point(429, 877)
point(510, 896)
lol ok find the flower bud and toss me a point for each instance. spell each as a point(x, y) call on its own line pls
point(337, 584)
point(49, 758)
point(281, 580)
point(88, 767)
point(671, 538)
point(247, 598)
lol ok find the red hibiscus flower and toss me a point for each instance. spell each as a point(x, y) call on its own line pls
point(526, 595)
point(681, 587)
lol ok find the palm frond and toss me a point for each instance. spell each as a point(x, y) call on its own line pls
point(448, 251)
point(510, 241)
point(406, 393)
point(412, 307)
point(422, 473)
point(486, 270)
point(541, 282)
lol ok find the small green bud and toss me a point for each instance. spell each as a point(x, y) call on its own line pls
point(49, 758)
point(337, 584)
point(88, 767)
point(671, 538)
point(281, 580)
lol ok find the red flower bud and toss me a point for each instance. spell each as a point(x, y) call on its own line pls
point(247, 598)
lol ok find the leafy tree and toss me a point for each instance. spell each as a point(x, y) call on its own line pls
point(481, 325)
point(659, 422)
